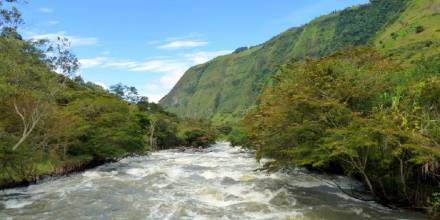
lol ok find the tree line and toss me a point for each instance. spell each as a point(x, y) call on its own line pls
point(357, 113)
point(51, 119)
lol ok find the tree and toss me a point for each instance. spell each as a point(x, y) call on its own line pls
point(128, 93)
point(240, 49)
point(31, 108)
point(354, 112)
point(10, 18)
point(52, 121)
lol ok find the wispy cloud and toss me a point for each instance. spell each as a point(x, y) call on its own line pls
point(104, 86)
point(160, 66)
point(122, 64)
point(205, 56)
point(152, 87)
point(75, 40)
point(179, 44)
point(170, 69)
point(152, 97)
point(190, 59)
point(53, 22)
point(46, 10)
point(177, 64)
point(92, 62)
point(153, 92)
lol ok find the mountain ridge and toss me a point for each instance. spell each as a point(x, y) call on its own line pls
point(225, 87)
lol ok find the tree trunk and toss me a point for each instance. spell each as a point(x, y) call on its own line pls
point(152, 139)
point(28, 124)
point(368, 182)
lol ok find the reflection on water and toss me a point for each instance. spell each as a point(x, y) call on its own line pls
point(218, 184)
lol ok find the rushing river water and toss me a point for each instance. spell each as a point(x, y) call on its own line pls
point(218, 184)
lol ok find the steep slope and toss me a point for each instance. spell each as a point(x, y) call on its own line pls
point(225, 87)
point(415, 33)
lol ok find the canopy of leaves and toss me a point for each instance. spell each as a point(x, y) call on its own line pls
point(352, 112)
point(49, 120)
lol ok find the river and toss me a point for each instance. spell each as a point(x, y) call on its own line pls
point(220, 183)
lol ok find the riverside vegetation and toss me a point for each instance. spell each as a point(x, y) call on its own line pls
point(54, 122)
point(356, 92)
point(356, 113)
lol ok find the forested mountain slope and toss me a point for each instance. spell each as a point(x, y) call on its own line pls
point(225, 87)
point(53, 122)
point(371, 112)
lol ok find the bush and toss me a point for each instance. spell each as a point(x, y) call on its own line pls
point(419, 29)
point(348, 111)
point(240, 49)
point(198, 138)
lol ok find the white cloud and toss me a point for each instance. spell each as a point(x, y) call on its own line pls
point(179, 44)
point(152, 87)
point(161, 66)
point(170, 69)
point(101, 84)
point(169, 80)
point(153, 91)
point(204, 56)
point(92, 62)
point(53, 22)
point(194, 35)
point(155, 97)
point(122, 64)
point(75, 40)
point(46, 10)
point(174, 69)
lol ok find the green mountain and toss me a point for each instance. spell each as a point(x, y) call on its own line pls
point(369, 112)
point(415, 33)
point(224, 88)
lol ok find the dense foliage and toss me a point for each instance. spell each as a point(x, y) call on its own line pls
point(52, 122)
point(224, 88)
point(48, 120)
point(359, 113)
point(368, 113)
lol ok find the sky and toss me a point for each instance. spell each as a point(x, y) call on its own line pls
point(149, 44)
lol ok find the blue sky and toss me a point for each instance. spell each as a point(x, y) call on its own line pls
point(150, 43)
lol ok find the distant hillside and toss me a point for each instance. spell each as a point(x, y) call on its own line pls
point(415, 33)
point(225, 87)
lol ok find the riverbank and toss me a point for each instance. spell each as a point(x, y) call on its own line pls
point(220, 183)
point(63, 170)
point(77, 166)
point(84, 166)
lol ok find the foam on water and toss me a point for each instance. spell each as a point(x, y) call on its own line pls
point(16, 204)
point(220, 183)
